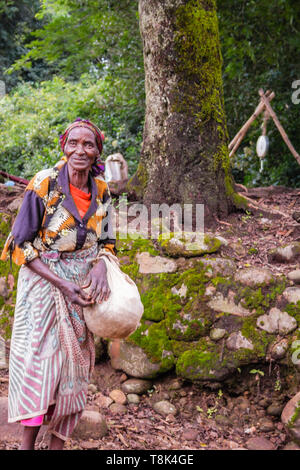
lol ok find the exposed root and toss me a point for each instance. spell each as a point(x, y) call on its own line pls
point(240, 187)
point(265, 211)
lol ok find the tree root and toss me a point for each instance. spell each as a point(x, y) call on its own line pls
point(260, 209)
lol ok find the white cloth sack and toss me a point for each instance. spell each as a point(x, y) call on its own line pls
point(120, 314)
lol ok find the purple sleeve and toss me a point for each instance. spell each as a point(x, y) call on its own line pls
point(29, 219)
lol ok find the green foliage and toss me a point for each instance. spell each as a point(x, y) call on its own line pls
point(79, 34)
point(95, 48)
point(98, 37)
point(260, 43)
point(17, 19)
point(7, 305)
point(33, 117)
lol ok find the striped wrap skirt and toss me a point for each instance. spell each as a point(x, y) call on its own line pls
point(52, 351)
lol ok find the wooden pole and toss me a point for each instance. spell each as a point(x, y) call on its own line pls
point(258, 110)
point(278, 125)
point(265, 121)
point(235, 143)
point(14, 178)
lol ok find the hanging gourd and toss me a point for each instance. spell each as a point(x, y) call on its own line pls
point(263, 141)
point(262, 144)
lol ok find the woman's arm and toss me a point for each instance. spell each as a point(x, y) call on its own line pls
point(70, 289)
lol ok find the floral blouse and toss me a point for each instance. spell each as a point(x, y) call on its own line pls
point(48, 218)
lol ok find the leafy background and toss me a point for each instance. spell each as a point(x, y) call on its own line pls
point(61, 59)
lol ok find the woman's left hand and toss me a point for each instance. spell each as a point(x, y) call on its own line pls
point(97, 281)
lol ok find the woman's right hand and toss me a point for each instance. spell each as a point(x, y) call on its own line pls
point(70, 289)
point(75, 293)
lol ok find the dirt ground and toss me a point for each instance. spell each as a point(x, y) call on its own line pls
point(229, 416)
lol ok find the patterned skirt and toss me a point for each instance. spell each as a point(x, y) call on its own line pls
point(52, 352)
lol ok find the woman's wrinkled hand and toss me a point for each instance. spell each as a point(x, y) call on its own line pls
point(68, 288)
point(75, 294)
point(97, 282)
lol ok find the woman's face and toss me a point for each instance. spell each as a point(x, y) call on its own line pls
point(81, 149)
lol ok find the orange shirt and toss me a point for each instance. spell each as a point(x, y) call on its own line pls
point(82, 200)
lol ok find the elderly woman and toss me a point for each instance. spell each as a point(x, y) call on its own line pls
point(58, 238)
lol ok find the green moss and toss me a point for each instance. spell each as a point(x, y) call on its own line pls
point(200, 56)
point(130, 247)
point(179, 330)
point(261, 298)
point(212, 243)
point(195, 364)
point(179, 346)
point(187, 327)
point(155, 342)
point(222, 284)
point(295, 416)
point(259, 338)
point(200, 64)
point(254, 299)
point(6, 320)
point(294, 311)
point(159, 301)
point(131, 269)
point(195, 280)
point(187, 247)
point(185, 318)
point(203, 361)
point(138, 182)
point(252, 251)
point(7, 305)
point(239, 201)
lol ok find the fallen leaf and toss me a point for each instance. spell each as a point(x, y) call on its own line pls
point(122, 440)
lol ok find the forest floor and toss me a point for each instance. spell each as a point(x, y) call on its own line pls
point(243, 415)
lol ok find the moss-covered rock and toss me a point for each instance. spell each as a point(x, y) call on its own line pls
point(202, 363)
point(291, 417)
point(188, 244)
point(177, 328)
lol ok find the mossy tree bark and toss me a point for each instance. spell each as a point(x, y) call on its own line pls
point(184, 157)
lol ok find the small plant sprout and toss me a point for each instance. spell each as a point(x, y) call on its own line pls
point(258, 373)
point(246, 217)
point(277, 386)
point(211, 411)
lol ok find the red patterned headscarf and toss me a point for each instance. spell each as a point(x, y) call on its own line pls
point(98, 167)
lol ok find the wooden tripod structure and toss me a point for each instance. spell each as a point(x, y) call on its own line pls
point(263, 106)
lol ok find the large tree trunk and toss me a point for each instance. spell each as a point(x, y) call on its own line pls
point(184, 157)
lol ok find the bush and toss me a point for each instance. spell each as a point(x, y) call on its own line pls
point(33, 116)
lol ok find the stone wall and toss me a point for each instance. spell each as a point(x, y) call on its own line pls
point(204, 317)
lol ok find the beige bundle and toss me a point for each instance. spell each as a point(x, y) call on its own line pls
point(119, 315)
